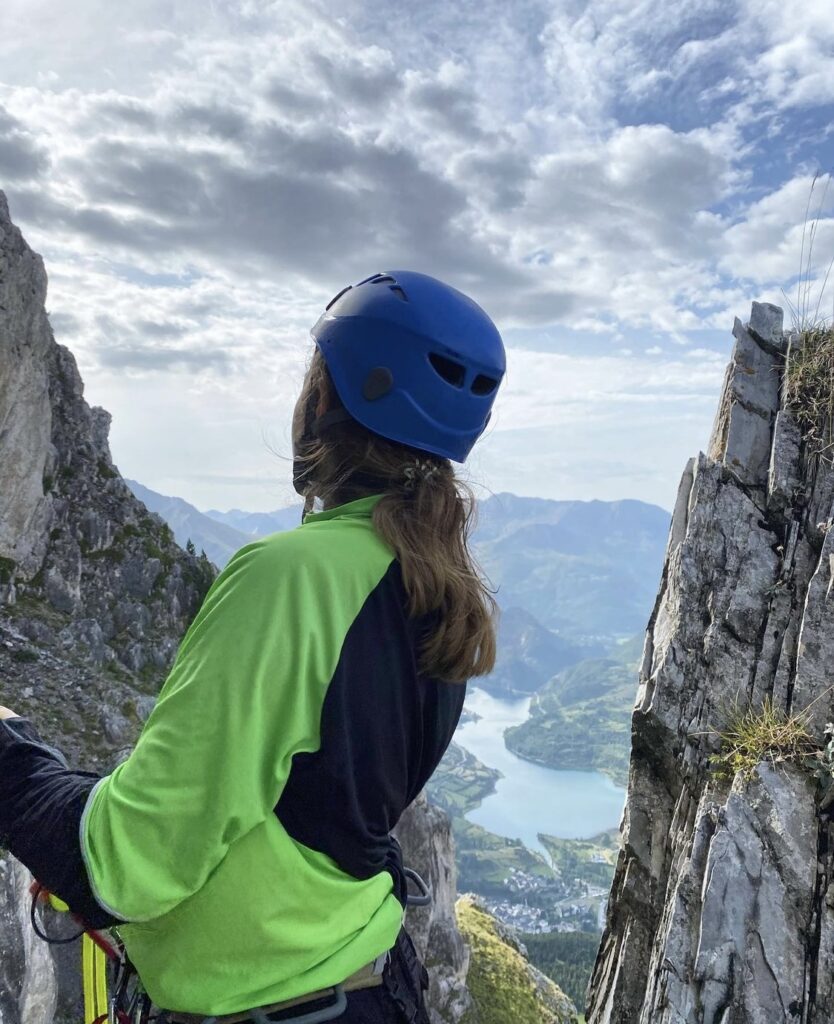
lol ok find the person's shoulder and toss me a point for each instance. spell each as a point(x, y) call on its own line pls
point(324, 548)
point(283, 549)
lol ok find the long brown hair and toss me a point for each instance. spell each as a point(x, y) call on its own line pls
point(427, 521)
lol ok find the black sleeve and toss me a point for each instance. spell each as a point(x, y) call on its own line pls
point(41, 803)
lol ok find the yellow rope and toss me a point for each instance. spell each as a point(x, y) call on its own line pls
point(94, 973)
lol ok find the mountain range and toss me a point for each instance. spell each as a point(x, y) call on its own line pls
point(572, 578)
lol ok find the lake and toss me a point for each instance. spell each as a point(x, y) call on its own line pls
point(530, 798)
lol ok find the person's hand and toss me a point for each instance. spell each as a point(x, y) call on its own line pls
point(5, 713)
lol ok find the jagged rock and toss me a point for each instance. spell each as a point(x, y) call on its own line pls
point(25, 407)
point(721, 910)
point(783, 473)
point(766, 324)
point(93, 591)
point(425, 834)
point(741, 438)
point(86, 571)
point(28, 992)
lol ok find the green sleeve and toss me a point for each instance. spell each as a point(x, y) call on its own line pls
point(244, 694)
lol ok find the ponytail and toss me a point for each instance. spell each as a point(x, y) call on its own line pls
point(426, 515)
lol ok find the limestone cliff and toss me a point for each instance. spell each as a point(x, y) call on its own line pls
point(722, 910)
point(425, 834)
point(94, 594)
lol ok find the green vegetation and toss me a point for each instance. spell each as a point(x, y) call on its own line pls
point(152, 550)
point(7, 568)
point(499, 977)
point(461, 781)
point(566, 957)
point(24, 655)
point(589, 860)
point(105, 471)
point(200, 573)
point(581, 718)
point(809, 388)
point(29, 606)
point(809, 370)
point(485, 860)
point(111, 554)
point(752, 736)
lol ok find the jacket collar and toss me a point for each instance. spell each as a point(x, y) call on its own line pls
point(360, 508)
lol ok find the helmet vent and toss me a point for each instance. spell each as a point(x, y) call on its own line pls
point(483, 385)
point(373, 278)
point(395, 288)
point(452, 372)
point(337, 297)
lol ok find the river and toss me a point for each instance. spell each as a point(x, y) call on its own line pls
point(530, 798)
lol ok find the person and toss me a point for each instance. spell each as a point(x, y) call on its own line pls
point(243, 851)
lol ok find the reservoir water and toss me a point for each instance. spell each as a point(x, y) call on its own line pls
point(530, 798)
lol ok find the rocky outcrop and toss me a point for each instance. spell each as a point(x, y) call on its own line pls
point(25, 407)
point(94, 595)
point(425, 834)
point(28, 984)
point(721, 910)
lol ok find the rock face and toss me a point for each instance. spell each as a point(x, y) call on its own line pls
point(28, 986)
point(721, 910)
point(25, 408)
point(94, 595)
point(425, 834)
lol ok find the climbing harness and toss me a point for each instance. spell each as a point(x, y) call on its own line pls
point(425, 897)
point(130, 1003)
point(399, 970)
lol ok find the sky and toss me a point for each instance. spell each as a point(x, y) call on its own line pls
point(613, 181)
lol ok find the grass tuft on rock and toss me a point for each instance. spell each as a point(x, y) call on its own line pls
point(809, 388)
point(768, 734)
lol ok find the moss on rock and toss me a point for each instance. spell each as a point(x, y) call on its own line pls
point(504, 986)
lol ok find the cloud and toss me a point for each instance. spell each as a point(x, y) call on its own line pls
point(329, 157)
point(21, 158)
point(144, 357)
point(773, 242)
point(203, 179)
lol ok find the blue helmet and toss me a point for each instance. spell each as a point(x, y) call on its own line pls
point(413, 360)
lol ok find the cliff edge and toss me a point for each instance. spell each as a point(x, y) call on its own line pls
point(722, 910)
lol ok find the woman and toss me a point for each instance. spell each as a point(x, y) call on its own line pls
point(243, 850)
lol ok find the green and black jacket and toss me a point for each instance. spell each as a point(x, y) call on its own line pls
point(242, 851)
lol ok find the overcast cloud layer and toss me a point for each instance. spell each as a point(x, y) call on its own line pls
point(613, 181)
